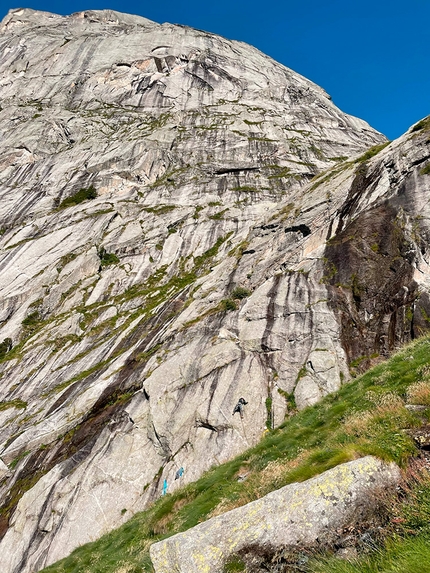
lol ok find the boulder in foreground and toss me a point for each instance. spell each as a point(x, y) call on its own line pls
point(299, 514)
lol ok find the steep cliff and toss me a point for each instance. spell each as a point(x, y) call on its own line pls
point(164, 252)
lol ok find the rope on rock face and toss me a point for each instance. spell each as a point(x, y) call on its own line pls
point(239, 406)
point(244, 439)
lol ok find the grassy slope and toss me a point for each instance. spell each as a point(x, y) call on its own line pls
point(365, 417)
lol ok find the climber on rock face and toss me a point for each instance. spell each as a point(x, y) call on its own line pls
point(239, 407)
point(179, 473)
point(164, 487)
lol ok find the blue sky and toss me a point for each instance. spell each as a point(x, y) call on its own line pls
point(371, 56)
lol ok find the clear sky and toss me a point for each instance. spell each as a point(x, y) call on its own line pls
point(371, 56)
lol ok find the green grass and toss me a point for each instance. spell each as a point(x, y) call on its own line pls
point(169, 177)
point(228, 304)
point(401, 555)
point(160, 210)
point(18, 458)
point(279, 172)
point(218, 216)
point(423, 124)
point(32, 320)
point(325, 176)
point(234, 565)
point(106, 258)
point(31, 323)
point(84, 194)
point(245, 189)
point(240, 293)
point(166, 288)
point(372, 152)
point(84, 374)
point(366, 416)
point(65, 260)
point(405, 550)
point(17, 403)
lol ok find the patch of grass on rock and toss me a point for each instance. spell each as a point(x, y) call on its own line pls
point(84, 194)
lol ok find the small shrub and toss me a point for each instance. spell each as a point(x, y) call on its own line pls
point(18, 458)
point(32, 321)
point(82, 195)
point(289, 398)
point(423, 124)
point(197, 211)
point(240, 293)
point(269, 420)
point(107, 258)
point(228, 304)
point(218, 216)
point(425, 170)
point(5, 347)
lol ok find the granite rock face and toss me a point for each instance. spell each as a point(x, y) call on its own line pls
point(164, 252)
point(297, 515)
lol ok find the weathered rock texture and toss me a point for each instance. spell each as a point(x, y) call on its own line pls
point(300, 514)
point(130, 342)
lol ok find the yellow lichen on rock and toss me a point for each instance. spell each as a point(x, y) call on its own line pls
point(297, 514)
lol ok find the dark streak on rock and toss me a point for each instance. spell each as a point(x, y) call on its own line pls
point(370, 268)
point(270, 314)
point(358, 187)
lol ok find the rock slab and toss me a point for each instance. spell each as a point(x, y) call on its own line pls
point(299, 514)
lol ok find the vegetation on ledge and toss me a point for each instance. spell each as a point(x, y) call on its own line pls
point(367, 416)
point(372, 152)
point(84, 194)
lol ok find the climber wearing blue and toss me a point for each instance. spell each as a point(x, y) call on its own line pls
point(164, 487)
point(179, 473)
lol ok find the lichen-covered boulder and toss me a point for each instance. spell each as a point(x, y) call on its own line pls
point(299, 514)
